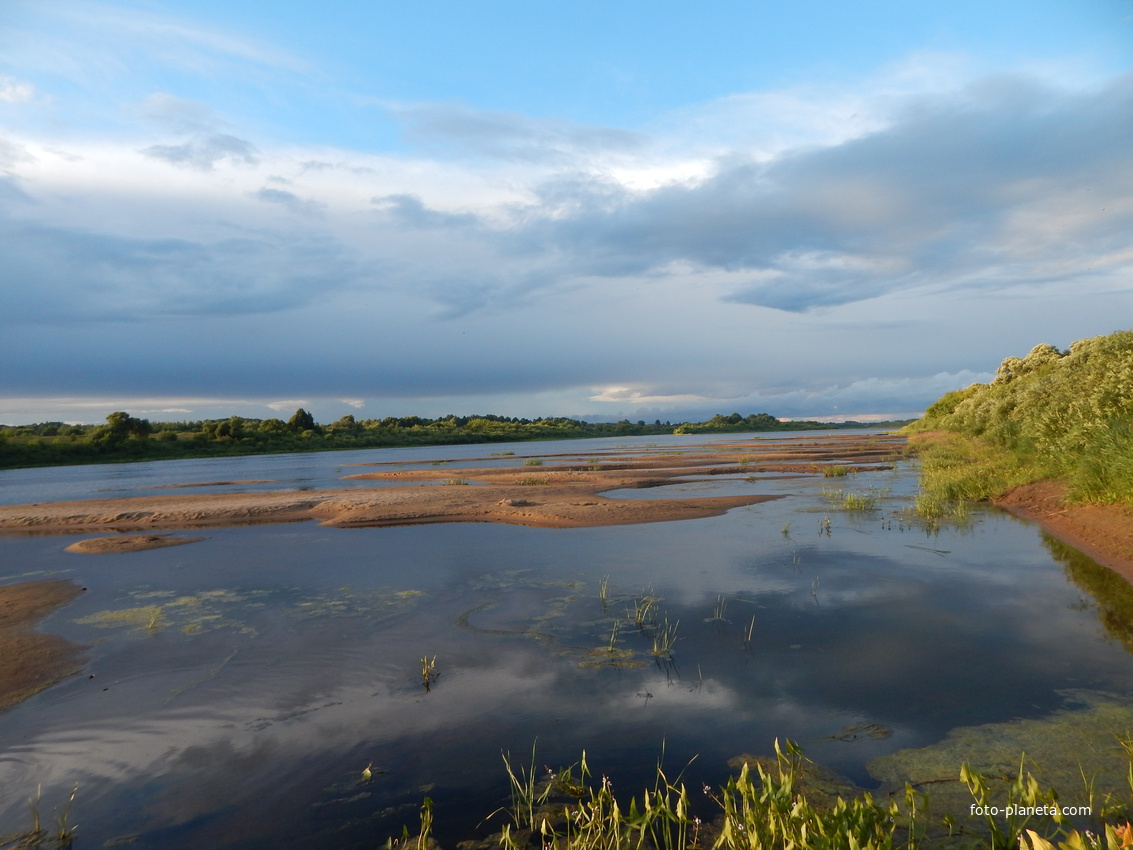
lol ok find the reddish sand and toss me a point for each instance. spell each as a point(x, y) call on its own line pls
point(1104, 532)
point(29, 661)
point(130, 543)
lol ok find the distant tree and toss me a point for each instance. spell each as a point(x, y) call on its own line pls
point(120, 425)
point(302, 421)
point(344, 425)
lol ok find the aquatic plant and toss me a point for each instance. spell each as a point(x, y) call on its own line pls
point(836, 471)
point(532, 461)
point(604, 591)
point(533, 480)
point(62, 836)
point(455, 482)
point(857, 501)
point(750, 629)
point(719, 612)
point(641, 613)
point(664, 639)
point(428, 671)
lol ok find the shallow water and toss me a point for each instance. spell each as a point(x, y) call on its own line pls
point(237, 687)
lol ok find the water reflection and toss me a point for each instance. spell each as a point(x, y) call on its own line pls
point(263, 669)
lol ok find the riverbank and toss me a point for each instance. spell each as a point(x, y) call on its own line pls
point(1103, 532)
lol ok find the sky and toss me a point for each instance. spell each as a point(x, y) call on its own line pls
point(642, 210)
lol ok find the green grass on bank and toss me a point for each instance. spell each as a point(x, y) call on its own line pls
point(1060, 415)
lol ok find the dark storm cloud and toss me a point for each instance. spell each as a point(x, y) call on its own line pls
point(508, 135)
point(207, 151)
point(932, 198)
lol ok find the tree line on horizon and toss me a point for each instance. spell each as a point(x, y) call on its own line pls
point(124, 437)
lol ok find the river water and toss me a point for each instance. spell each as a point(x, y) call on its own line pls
point(237, 688)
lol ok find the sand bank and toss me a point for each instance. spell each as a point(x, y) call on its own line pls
point(29, 661)
point(1103, 532)
point(550, 491)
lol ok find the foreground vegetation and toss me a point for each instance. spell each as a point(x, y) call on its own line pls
point(126, 438)
point(771, 806)
point(1052, 415)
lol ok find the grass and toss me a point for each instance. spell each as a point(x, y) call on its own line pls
point(836, 471)
point(664, 639)
point(854, 501)
point(533, 480)
point(532, 461)
point(767, 807)
point(1051, 415)
point(642, 610)
point(62, 836)
point(719, 612)
point(455, 482)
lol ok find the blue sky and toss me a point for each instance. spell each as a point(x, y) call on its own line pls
point(606, 210)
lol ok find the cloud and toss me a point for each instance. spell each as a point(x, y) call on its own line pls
point(408, 210)
point(288, 200)
point(69, 275)
point(508, 135)
point(205, 152)
point(14, 91)
point(935, 197)
point(180, 115)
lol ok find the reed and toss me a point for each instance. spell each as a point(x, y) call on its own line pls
point(664, 639)
point(428, 671)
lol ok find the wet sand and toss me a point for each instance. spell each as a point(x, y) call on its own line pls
point(1104, 532)
point(549, 491)
point(30, 661)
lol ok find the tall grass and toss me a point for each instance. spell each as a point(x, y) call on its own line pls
point(1050, 415)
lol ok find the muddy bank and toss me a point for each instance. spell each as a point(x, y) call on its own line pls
point(1104, 532)
point(550, 491)
point(30, 661)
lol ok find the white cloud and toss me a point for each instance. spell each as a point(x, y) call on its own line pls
point(14, 91)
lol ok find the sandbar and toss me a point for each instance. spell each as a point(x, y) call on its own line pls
point(549, 491)
point(128, 543)
point(30, 661)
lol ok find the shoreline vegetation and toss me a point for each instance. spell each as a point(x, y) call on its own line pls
point(125, 438)
point(1049, 439)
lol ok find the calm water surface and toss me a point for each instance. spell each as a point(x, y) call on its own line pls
point(237, 687)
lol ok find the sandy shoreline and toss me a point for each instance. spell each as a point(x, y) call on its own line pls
point(1103, 532)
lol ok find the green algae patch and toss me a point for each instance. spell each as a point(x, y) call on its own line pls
point(1080, 752)
point(617, 658)
point(225, 608)
point(143, 617)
